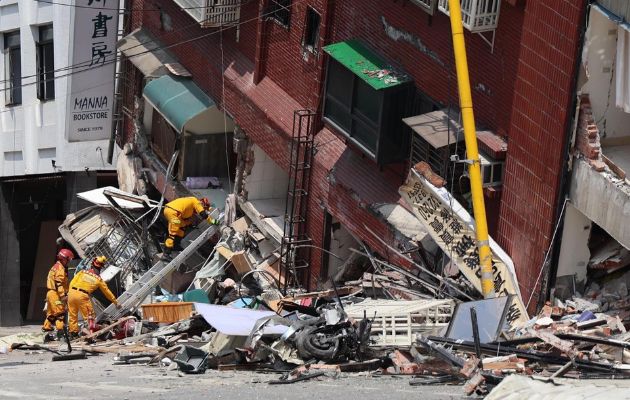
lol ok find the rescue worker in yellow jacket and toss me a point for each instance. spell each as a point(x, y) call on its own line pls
point(180, 213)
point(56, 296)
point(84, 283)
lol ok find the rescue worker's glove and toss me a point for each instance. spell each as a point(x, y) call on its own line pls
point(213, 221)
point(64, 299)
point(118, 306)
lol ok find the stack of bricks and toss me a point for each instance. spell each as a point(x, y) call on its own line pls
point(587, 136)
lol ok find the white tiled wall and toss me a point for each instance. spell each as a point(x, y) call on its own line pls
point(267, 180)
point(36, 129)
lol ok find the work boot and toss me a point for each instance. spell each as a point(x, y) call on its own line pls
point(178, 244)
point(60, 335)
point(49, 337)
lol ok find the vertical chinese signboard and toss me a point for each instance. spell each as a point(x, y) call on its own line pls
point(452, 229)
point(91, 87)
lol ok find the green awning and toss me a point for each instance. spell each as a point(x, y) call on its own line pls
point(366, 64)
point(177, 99)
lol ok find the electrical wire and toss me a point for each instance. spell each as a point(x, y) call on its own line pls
point(553, 239)
point(116, 58)
point(115, 9)
point(160, 204)
point(225, 135)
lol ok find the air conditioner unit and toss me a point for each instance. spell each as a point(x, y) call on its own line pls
point(477, 15)
point(491, 171)
point(212, 13)
point(428, 6)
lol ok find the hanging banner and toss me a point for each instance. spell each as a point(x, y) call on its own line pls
point(91, 83)
point(452, 228)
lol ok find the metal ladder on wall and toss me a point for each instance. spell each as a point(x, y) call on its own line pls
point(295, 246)
point(140, 289)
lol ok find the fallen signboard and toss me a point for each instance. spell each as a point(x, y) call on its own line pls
point(452, 228)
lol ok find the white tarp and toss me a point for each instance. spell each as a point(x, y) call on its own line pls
point(453, 229)
point(236, 321)
point(97, 197)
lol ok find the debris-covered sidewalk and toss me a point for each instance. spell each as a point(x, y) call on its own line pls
point(101, 378)
point(222, 308)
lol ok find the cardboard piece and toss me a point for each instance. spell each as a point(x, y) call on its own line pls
point(240, 225)
point(240, 261)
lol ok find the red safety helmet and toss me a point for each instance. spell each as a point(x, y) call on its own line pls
point(64, 256)
point(205, 202)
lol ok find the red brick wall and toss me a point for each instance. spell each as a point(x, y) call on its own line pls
point(537, 135)
point(430, 62)
point(518, 92)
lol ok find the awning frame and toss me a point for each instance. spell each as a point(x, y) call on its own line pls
point(178, 100)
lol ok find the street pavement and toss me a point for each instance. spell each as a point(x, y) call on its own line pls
point(32, 375)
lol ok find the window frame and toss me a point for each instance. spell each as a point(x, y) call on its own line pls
point(352, 112)
point(276, 9)
point(310, 16)
point(45, 83)
point(13, 93)
point(385, 129)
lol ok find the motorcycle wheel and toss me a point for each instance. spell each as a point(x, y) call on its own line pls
point(310, 345)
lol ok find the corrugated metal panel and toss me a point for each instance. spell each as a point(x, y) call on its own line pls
point(620, 8)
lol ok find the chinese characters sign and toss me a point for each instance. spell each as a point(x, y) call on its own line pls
point(91, 97)
point(456, 238)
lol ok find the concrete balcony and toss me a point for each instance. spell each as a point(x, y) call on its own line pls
point(604, 198)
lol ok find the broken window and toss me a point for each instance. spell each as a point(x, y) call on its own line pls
point(280, 11)
point(45, 64)
point(311, 30)
point(12, 69)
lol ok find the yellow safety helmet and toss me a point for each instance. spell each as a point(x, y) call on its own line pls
point(99, 262)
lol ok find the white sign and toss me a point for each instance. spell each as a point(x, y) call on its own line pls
point(91, 98)
point(452, 228)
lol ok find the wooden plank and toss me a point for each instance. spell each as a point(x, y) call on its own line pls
point(225, 252)
point(240, 225)
point(342, 291)
point(106, 329)
point(44, 260)
point(272, 270)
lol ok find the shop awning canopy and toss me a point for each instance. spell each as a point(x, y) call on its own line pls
point(148, 55)
point(436, 128)
point(366, 64)
point(177, 99)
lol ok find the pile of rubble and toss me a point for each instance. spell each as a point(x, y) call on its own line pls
point(225, 303)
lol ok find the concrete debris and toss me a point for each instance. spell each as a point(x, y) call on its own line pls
point(223, 301)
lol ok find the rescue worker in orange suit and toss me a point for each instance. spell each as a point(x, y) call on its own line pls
point(180, 213)
point(57, 285)
point(84, 283)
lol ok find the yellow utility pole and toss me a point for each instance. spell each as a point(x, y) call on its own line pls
point(470, 137)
